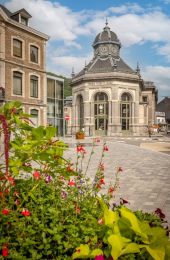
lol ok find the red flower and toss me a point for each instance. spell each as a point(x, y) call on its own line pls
point(99, 257)
point(105, 148)
point(25, 213)
point(110, 190)
point(71, 183)
point(5, 251)
point(120, 169)
point(5, 211)
point(102, 182)
point(16, 193)
point(77, 210)
point(11, 180)
point(80, 149)
point(36, 175)
point(1, 194)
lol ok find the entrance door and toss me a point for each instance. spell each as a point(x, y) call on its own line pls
point(101, 114)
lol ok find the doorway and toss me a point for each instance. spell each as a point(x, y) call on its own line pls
point(101, 114)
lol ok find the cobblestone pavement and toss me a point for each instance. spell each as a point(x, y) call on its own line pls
point(145, 180)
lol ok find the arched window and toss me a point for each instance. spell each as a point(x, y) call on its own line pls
point(34, 118)
point(101, 113)
point(125, 111)
point(80, 110)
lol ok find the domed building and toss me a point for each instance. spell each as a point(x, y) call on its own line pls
point(109, 97)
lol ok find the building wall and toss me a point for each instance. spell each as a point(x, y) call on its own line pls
point(9, 63)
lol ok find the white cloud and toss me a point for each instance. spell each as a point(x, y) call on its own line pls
point(122, 9)
point(161, 77)
point(58, 21)
point(64, 64)
point(164, 50)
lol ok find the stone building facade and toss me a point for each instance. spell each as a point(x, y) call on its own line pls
point(110, 98)
point(22, 64)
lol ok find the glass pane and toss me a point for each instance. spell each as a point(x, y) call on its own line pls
point(101, 123)
point(17, 48)
point(34, 54)
point(50, 88)
point(123, 124)
point(17, 83)
point(50, 109)
point(34, 118)
point(59, 90)
point(34, 87)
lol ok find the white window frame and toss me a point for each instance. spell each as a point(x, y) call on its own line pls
point(38, 47)
point(23, 47)
point(38, 109)
point(39, 79)
point(23, 82)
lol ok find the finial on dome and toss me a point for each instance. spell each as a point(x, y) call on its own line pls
point(72, 73)
point(138, 69)
point(106, 22)
point(85, 66)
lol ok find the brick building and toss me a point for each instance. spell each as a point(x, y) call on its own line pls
point(23, 64)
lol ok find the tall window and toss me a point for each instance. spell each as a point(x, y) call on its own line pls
point(34, 86)
point(80, 110)
point(33, 54)
point(34, 114)
point(17, 83)
point(125, 110)
point(101, 113)
point(17, 48)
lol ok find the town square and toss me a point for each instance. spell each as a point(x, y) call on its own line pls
point(84, 130)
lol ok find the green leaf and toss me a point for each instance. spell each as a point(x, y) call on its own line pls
point(130, 248)
point(81, 252)
point(135, 223)
point(38, 133)
point(96, 252)
point(50, 132)
point(158, 253)
point(117, 245)
point(110, 217)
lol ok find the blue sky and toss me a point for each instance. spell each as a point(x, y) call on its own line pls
point(142, 27)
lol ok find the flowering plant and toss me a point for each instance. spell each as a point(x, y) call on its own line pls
point(49, 207)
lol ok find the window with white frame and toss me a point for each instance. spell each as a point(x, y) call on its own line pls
point(17, 48)
point(17, 83)
point(34, 118)
point(33, 54)
point(34, 86)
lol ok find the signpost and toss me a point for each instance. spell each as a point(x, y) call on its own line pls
point(67, 117)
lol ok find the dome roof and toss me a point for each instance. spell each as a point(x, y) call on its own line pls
point(106, 36)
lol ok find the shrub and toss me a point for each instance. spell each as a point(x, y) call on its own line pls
point(48, 207)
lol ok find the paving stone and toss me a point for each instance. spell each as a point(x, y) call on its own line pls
point(145, 181)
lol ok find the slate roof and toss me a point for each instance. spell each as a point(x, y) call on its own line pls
point(10, 14)
point(164, 106)
point(109, 64)
point(105, 36)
